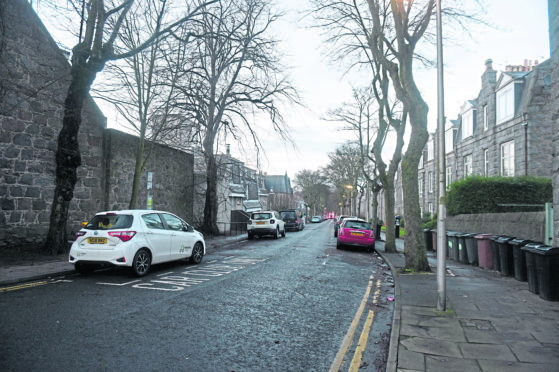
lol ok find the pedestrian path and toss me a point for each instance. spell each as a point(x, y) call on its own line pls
point(492, 322)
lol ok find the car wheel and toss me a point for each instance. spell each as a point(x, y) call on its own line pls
point(277, 233)
point(84, 269)
point(283, 233)
point(335, 233)
point(250, 236)
point(141, 263)
point(338, 245)
point(197, 253)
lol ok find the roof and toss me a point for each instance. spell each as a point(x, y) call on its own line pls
point(278, 184)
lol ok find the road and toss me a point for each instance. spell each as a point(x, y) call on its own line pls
point(292, 304)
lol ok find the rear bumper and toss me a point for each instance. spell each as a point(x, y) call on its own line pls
point(262, 231)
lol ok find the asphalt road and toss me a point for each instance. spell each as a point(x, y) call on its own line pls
point(292, 304)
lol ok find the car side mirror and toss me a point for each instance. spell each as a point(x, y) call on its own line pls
point(84, 224)
point(189, 229)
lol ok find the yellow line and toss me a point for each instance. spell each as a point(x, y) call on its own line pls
point(23, 286)
point(356, 362)
point(351, 331)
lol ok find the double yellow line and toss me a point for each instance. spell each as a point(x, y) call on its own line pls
point(27, 285)
point(348, 339)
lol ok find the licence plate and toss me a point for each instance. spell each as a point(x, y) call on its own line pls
point(261, 223)
point(97, 240)
point(356, 234)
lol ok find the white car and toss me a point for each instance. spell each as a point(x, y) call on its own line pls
point(265, 223)
point(137, 239)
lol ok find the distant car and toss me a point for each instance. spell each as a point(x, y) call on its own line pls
point(339, 220)
point(136, 239)
point(265, 223)
point(316, 219)
point(292, 219)
point(356, 232)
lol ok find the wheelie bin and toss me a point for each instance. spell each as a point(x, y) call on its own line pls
point(471, 248)
point(462, 251)
point(452, 245)
point(531, 270)
point(484, 252)
point(505, 255)
point(434, 239)
point(428, 239)
point(547, 267)
point(519, 257)
point(495, 252)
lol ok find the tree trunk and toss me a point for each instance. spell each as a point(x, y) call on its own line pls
point(210, 208)
point(137, 173)
point(389, 217)
point(68, 159)
point(415, 251)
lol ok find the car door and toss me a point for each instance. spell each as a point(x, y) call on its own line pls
point(182, 240)
point(158, 237)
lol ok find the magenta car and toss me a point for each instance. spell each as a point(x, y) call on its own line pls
point(356, 232)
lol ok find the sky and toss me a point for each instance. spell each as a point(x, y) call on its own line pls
point(519, 31)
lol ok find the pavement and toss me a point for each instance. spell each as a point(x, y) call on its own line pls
point(491, 323)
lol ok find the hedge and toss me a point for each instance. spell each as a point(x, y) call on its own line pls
point(479, 194)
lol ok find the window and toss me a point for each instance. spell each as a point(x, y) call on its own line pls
point(505, 104)
point(153, 221)
point(468, 123)
point(486, 163)
point(430, 150)
point(485, 118)
point(431, 210)
point(173, 222)
point(448, 177)
point(420, 187)
point(507, 159)
point(449, 140)
point(430, 180)
point(467, 165)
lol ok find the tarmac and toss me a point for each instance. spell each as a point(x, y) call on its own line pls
point(491, 323)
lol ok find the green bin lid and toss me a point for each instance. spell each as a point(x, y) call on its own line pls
point(504, 239)
point(531, 247)
point(546, 250)
point(520, 242)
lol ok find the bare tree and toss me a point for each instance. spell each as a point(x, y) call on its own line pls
point(101, 23)
point(232, 72)
point(315, 189)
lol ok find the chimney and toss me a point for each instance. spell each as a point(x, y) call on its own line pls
point(488, 64)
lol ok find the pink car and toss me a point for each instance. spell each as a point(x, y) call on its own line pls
point(356, 232)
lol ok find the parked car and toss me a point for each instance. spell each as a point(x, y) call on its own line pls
point(356, 232)
point(292, 219)
point(136, 239)
point(339, 220)
point(316, 219)
point(265, 223)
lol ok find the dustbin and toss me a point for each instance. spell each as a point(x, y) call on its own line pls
point(519, 257)
point(484, 252)
point(471, 248)
point(495, 252)
point(547, 264)
point(434, 239)
point(377, 232)
point(428, 240)
point(462, 250)
point(531, 270)
point(451, 244)
point(455, 246)
point(505, 255)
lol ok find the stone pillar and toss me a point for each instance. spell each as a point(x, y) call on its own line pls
point(553, 11)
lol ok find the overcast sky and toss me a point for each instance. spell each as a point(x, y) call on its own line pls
point(519, 32)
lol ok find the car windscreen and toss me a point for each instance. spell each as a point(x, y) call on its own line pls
point(110, 222)
point(289, 215)
point(357, 225)
point(261, 216)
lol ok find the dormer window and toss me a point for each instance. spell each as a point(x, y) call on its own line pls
point(505, 103)
point(468, 123)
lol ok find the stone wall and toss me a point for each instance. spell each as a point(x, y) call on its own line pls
point(524, 225)
point(553, 12)
point(34, 78)
point(172, 176)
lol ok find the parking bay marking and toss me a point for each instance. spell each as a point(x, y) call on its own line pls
point(191, 276)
